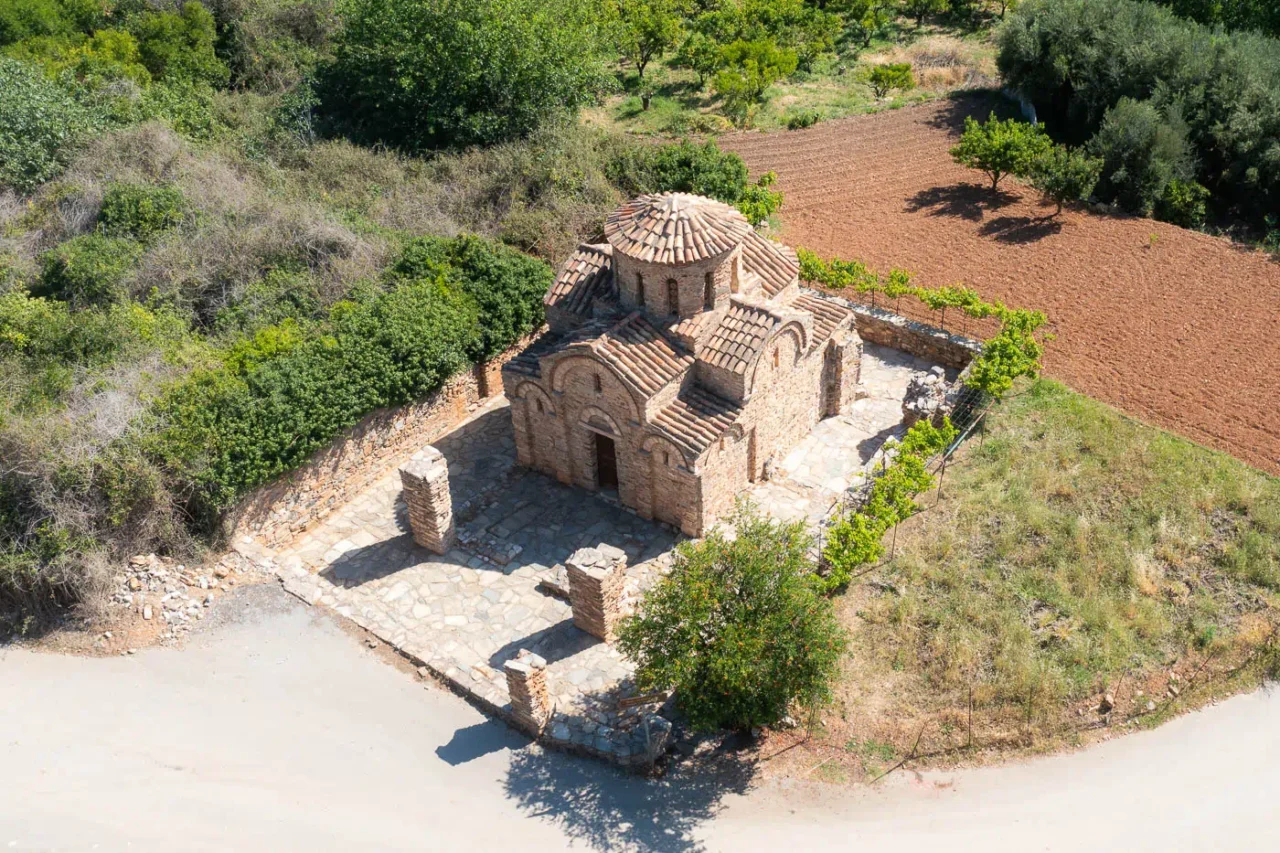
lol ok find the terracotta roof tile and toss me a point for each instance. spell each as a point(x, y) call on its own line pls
point(776, 264)
point(826, 314)
point(587, 275)
point(695, 419)
point(641, 354)
point(741, 335)
point(675, 228)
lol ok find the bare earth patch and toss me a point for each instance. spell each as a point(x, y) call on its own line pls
point(1175, 327)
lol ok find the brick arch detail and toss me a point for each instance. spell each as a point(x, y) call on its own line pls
point(561, 370)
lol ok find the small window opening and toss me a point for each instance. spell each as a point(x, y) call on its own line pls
point(666, 458)
point(540, 410)
point(640, 290)
point(673, 296)
point(709, 291)
point(722, 445)
point(595, 380)
point(775, 358)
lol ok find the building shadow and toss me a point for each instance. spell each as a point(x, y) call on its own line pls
point(606, 809)
point(1021, 229)
point(476, 741)
point(970, 202)
point(379, 560)
point(553, 643)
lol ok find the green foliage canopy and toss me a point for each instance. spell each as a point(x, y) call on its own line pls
point(1000, 148)
point(737, 629)
point(425, 74)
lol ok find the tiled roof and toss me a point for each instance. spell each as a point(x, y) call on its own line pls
point(587, 275)
point(695, 419)
point(776, 264)
point(641, 354)
point(826, 314)
point(675, 228)
point(739, 338)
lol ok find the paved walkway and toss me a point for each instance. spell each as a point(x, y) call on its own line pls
point(464, 614)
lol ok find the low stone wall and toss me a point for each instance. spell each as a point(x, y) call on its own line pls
point(281, 510)
point(878, 326)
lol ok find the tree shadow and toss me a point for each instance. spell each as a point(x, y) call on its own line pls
point(1021, 229)
point(963, 201)
point(607, 810)
point(476, 741)
point(980, 103)
point(553, 643)
point(869, 446)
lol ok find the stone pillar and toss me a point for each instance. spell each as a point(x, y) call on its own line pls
point(426, 492)
point(527, 684)
point(842, 372)
point(596, 578)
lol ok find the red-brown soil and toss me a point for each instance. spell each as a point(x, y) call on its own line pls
point(1175, 327)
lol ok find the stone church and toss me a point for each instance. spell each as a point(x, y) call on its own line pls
point(682, 358)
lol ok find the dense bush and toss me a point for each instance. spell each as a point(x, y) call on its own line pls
point(689, 167)
point(1142, 152)
point(422, 74)
point(1261, 15)
point(88, 270)
point(140, 211)
point(507, 286)
point(40, 125)
point(180, 45)
point(737, 629)
point(883, 78)
point(1076, 60)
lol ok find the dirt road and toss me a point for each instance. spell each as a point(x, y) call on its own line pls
point(276, 731)
point(1172, 326)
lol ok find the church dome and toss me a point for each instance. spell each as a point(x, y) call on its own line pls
point(675, 228)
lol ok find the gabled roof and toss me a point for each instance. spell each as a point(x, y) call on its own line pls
point(675, 228)
point(586, 276)
point(695, 419)
point(776, 264)
point(737, 341)
point(826, 314)
point(641, 354)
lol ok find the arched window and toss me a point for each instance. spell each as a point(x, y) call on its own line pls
point(673, 296)
point(666, 458)
point(709, 291)
point(775, 356)
point(595, 381)
point(640, 290)
point(539, 405)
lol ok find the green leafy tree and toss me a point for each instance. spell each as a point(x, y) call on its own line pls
point(647, 29)
point(701, 54)
point(180, 45)
point(1183, 203)
point(423, 74)
point(105, 56)
point(921, 9)
point(883, 78)
point(1000, 148)
point(864, 18)
point(1142, 151)
point(1065, 175)
point(737, 629)
point(760, 200)
point(750, 69)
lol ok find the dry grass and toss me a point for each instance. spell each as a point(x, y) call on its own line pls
point(944, 63)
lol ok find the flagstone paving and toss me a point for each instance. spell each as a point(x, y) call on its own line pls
point(467, 612)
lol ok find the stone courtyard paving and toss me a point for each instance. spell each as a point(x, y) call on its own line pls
point(465, 613)
point(834, 457)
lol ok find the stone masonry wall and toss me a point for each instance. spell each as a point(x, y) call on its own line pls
point(877, 326)
point(277, 512)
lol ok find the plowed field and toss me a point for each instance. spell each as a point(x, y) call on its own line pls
point(1175, 327)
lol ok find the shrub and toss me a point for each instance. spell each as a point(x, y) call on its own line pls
point(179, 45)
point(1065, 175)
point(1000, 148)
point(507, 286)
point(759, 201)
point(422, 74)
point(105, 56)
point(897, 75)
point(736, 629)
point(282, 294)
point(921, 9)
point(1183, 203)
point(88, 270)
point(804, 118)
point(686, 167)
point(140, 211)
point(1141, 152)
point(24, 19)
point(40, 125)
